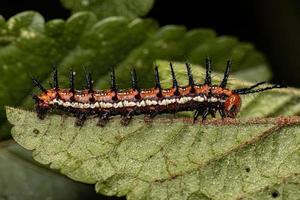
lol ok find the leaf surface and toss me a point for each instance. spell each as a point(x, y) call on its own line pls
point(171, 158)
point(232, 160)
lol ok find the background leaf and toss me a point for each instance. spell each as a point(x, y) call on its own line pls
point(21, 178)
point(231, 159)
point(107, 8)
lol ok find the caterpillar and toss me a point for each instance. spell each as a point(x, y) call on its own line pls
point(205, 99)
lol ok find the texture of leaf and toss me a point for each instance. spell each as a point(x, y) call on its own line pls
point(168, 159)
point(107, 8)
point(21, 178)
point(28, 45)
point(171, 158)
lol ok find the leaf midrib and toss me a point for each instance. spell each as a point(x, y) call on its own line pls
point(256, 139)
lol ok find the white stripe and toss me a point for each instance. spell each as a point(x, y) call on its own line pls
point(142, 103)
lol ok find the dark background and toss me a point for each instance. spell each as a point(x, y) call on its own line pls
point(272, 25)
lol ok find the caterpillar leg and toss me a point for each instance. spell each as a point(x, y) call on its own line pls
point(212, 112)
point(80, 119)
point(41, 112)
point(103, 119)
point(149, 117)
point(196, 115)
point(125, 119)
point(222, 113)
point(205, 114)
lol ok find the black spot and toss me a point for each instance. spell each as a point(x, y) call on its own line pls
point(159, 95)
point(192, 91)
point(115, 98)
point(247, 169)
point(275, 194)
point(36, 131)
point(138, 96)
point(176, 93)
point(92, 99)
point(72, 98)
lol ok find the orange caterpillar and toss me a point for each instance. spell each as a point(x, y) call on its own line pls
point(204, 98)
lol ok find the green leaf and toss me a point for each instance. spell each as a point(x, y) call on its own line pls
point(31, 46)
point(22, 178)
point(171, 158)
point(106, 8)
point(225, 161)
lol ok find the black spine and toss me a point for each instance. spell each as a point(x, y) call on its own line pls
point(175, 83)
point(55, 78)
point(113, 80)
point(242, 90)
point(71, 77)
point(190, 75)
point(134, 81)
point(36, 83)
point(157, 81)
point(226, 74)
point(249, 91)
point(208, 71)
point(89, 82)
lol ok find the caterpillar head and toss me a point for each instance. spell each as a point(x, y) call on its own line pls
point(232, 105)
